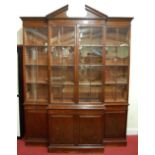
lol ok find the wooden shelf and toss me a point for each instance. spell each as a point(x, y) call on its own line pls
point(37, 100)
point(59, 101)
point(95, 83)
point(117, 65)
point(35, 45)
point(91, 45)
point(34, 64)
point(116, 83)
point(58, 84)
point(62, 45)
point(113, 101)
point(117, 45)
point(92, 65)
point(37, 82)
point(62, 65)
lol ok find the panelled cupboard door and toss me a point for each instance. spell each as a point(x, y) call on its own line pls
point(61, 129)
point(90, 129)
point(115, 125)
point(36, 125)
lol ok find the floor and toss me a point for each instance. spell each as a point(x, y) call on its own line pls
point(130, 149)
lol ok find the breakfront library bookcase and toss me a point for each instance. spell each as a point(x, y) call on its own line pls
point(76, 80)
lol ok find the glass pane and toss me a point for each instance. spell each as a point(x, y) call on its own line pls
point(95, 78)
point(62, 35)
point(57, 76)
point(115, 93)
point(84, 93)
point(109, 93)
point(31, 74)
point(62, 55)
point(36, 36)
point(90, 35)
point(68, 75)
point(122, 55)
point(36, 55)
point(90, 55)
point(84, 74)
point(62, 75)
point(68, 93)
point(42, 74)
point(62, 82)
point(117, 36)
point(111, 36)
point(123, 37)
point(90, 83)
point(121, 93)
point(96, 93)
point(95, 75)
point(84, 83)
point(56, 93)
point(63, 93)
point(116, 74)
point(117, 55)
point(31, 92)
point(42, 92)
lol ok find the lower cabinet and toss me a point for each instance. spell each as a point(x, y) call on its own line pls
point(75, 129)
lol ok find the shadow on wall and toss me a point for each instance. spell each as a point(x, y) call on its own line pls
point(20, 36)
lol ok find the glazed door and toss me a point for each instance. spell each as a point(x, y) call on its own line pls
point(90, 64)
point(36, 64)
point(62, 64)
point(116, 64)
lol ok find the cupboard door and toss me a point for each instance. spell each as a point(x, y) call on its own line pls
point(61, 129)
point(36, 125)
point(90, 129)
point(115, 124)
